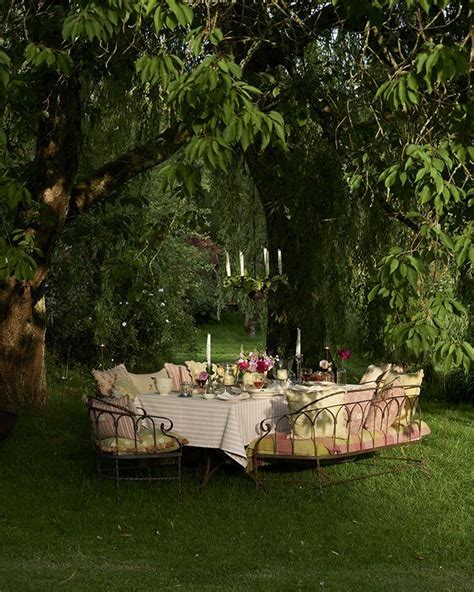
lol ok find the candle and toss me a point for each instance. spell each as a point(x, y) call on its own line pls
point(280, 265)
point(282, 374)
point(208, 349)
point(227, 264)
point(298, 342)
point(266, 261)
point(242, 266)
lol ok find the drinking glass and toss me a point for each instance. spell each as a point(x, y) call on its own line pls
point(186, 389)
point(306, 374)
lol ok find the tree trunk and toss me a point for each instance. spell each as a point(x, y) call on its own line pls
point(298, 192)
point(22, 309)
point(22, 328)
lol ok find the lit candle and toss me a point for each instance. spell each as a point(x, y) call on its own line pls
point(242, 266)
point(266, 261)
point(280, 265)
point(208, 349)
point(227, 264)
point(298, 342)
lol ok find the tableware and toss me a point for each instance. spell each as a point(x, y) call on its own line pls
point(208, 396)
point(163, 386)
point(306, 373)
point(186, 389)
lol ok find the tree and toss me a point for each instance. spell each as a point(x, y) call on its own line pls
point(52, 49)
point(210, 69)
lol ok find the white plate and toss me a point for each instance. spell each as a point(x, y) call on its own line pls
point(264, 393)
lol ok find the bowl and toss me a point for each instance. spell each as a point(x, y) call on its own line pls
point(163, 386)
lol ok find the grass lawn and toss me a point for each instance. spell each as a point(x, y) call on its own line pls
point(227, 337)
point(60, 530)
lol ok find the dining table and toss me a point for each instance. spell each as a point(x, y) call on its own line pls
point(225, 425)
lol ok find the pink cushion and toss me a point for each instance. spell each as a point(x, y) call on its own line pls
point(283, 444)
point(111, 421)
point(386, 406)
point(357, 404)
point(178, 375)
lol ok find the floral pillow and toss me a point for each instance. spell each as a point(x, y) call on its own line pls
point(104, 382)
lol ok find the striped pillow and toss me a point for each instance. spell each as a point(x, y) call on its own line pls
point(178, 375)
point(113, 420)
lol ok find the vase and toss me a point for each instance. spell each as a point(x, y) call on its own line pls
point(341, 376)
point(250, 378)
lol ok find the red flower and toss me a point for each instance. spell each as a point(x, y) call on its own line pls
point(243, 365)
point(344, 354)
point(262, 366)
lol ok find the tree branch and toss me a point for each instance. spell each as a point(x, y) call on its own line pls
point(393, 213)
point(117, 172)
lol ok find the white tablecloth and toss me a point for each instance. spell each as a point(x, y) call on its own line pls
point(229, 426)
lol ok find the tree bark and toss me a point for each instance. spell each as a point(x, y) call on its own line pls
point(22, 309)
point(22, 346)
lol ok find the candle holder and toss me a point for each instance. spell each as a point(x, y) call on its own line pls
point(299, 368)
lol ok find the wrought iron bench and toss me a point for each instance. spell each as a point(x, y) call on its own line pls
point(324, 432)
point(131, 445)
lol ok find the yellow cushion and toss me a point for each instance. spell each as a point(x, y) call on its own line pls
point(323, 414)
point(145, 445)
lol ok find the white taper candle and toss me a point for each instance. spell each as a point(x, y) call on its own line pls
point(298, 342)
point(227, 264)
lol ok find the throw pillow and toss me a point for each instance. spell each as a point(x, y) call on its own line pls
point(386, 406)
point(357, 402)
point(111, 420)
point(374, 373)
point(178, 374)
point(123, 385)
point(318, 411)
point(411, 383)
point(144, 383)
point(104, 382)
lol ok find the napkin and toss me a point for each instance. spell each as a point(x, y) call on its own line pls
point(226, 396)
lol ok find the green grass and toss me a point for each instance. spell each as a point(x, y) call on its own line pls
point(60, 530)
point(227, 337)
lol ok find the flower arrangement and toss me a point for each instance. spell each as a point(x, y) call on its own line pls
point(255, 362)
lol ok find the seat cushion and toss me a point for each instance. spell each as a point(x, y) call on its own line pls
point(147, 443)
point(111, 420)
point(317, 411)
point(285, 445)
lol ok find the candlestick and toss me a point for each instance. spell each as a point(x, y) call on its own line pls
point(298, 342)
point(280, 265)
point(242, 265)
point(299, 366)
point(227, 264)
point(208, 349)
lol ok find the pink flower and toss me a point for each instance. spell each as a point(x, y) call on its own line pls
point(203, 376)
point(252, 367)
point(344, 354)
point(243, 365)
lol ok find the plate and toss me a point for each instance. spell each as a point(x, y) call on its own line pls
point(264, 393)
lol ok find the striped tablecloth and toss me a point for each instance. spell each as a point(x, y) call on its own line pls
point(229, 426)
